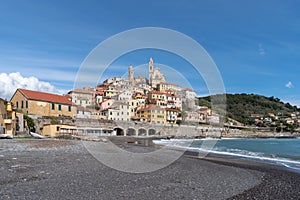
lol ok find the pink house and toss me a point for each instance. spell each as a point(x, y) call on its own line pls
point(106, 104)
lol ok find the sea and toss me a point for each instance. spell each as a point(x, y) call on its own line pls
point(282, 151)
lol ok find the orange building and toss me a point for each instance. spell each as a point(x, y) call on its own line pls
point(152, 113)
point(42, 104)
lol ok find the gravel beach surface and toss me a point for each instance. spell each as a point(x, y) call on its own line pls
point(64, 169)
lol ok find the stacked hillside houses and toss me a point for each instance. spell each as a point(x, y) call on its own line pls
point(136, 98)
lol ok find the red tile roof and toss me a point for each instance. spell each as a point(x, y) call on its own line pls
point(151, 107)
point(157, 92)
point(188, 89)
point(42, 96)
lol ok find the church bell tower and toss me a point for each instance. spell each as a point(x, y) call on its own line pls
point(150, 71)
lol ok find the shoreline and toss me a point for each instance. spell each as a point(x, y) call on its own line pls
point(52, 169)
point(278, 182)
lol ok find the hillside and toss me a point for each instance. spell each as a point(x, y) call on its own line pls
point(241, 106)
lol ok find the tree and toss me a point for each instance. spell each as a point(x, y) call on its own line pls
point(29, 120)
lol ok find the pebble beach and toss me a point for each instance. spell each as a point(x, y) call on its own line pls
point(64, 169)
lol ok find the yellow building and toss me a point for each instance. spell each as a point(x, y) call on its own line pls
point(112, 90)
point(42, 104)
point(134, 105)
point(7, 118)
point(54, 130)
point(152, 113)
point(158, 98)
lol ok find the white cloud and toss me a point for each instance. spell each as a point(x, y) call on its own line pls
point(10, 82)
point(289, 85)
point(261, 50)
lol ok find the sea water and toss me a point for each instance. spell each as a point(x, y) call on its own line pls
point(285, 152)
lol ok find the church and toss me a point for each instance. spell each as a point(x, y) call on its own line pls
point(154, 74)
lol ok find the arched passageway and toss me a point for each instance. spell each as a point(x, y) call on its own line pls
point(131, 132)
point(151, 132)
point(119, 131)
point(142, 132)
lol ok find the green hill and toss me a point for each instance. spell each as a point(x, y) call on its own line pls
point(241, 106)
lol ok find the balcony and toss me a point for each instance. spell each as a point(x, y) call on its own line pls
point(7, 121)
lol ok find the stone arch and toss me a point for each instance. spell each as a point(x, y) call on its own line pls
point(131, 132)
point(142, 132)
point(119, 131)
point(151, 131)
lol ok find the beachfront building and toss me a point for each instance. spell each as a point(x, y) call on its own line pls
point(82, 97)
point(119, 111)
point(54, 130)
point(191, 117)
point(172, 115)
point(152, 113)
point(7, 118)
point(213, 119)
point(42, 104)
point(83, 113)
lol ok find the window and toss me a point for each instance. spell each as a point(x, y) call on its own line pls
point(57, 128)
point(53, 106)
point(69, 108)
point(26, 104)
point(59, 107)
point(22, 104)
point(17, 104)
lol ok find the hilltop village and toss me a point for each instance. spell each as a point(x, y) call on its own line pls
point(143, 100)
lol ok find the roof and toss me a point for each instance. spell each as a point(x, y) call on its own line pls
point(2, 100)
point(82, 91)
point(157, 92)
point(43, 96)
point(172, 95)
point(165, 83)
point(151, 107)
point(188, 89)
point(172, 110)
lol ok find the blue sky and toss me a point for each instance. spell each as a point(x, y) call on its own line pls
point(255, 44)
